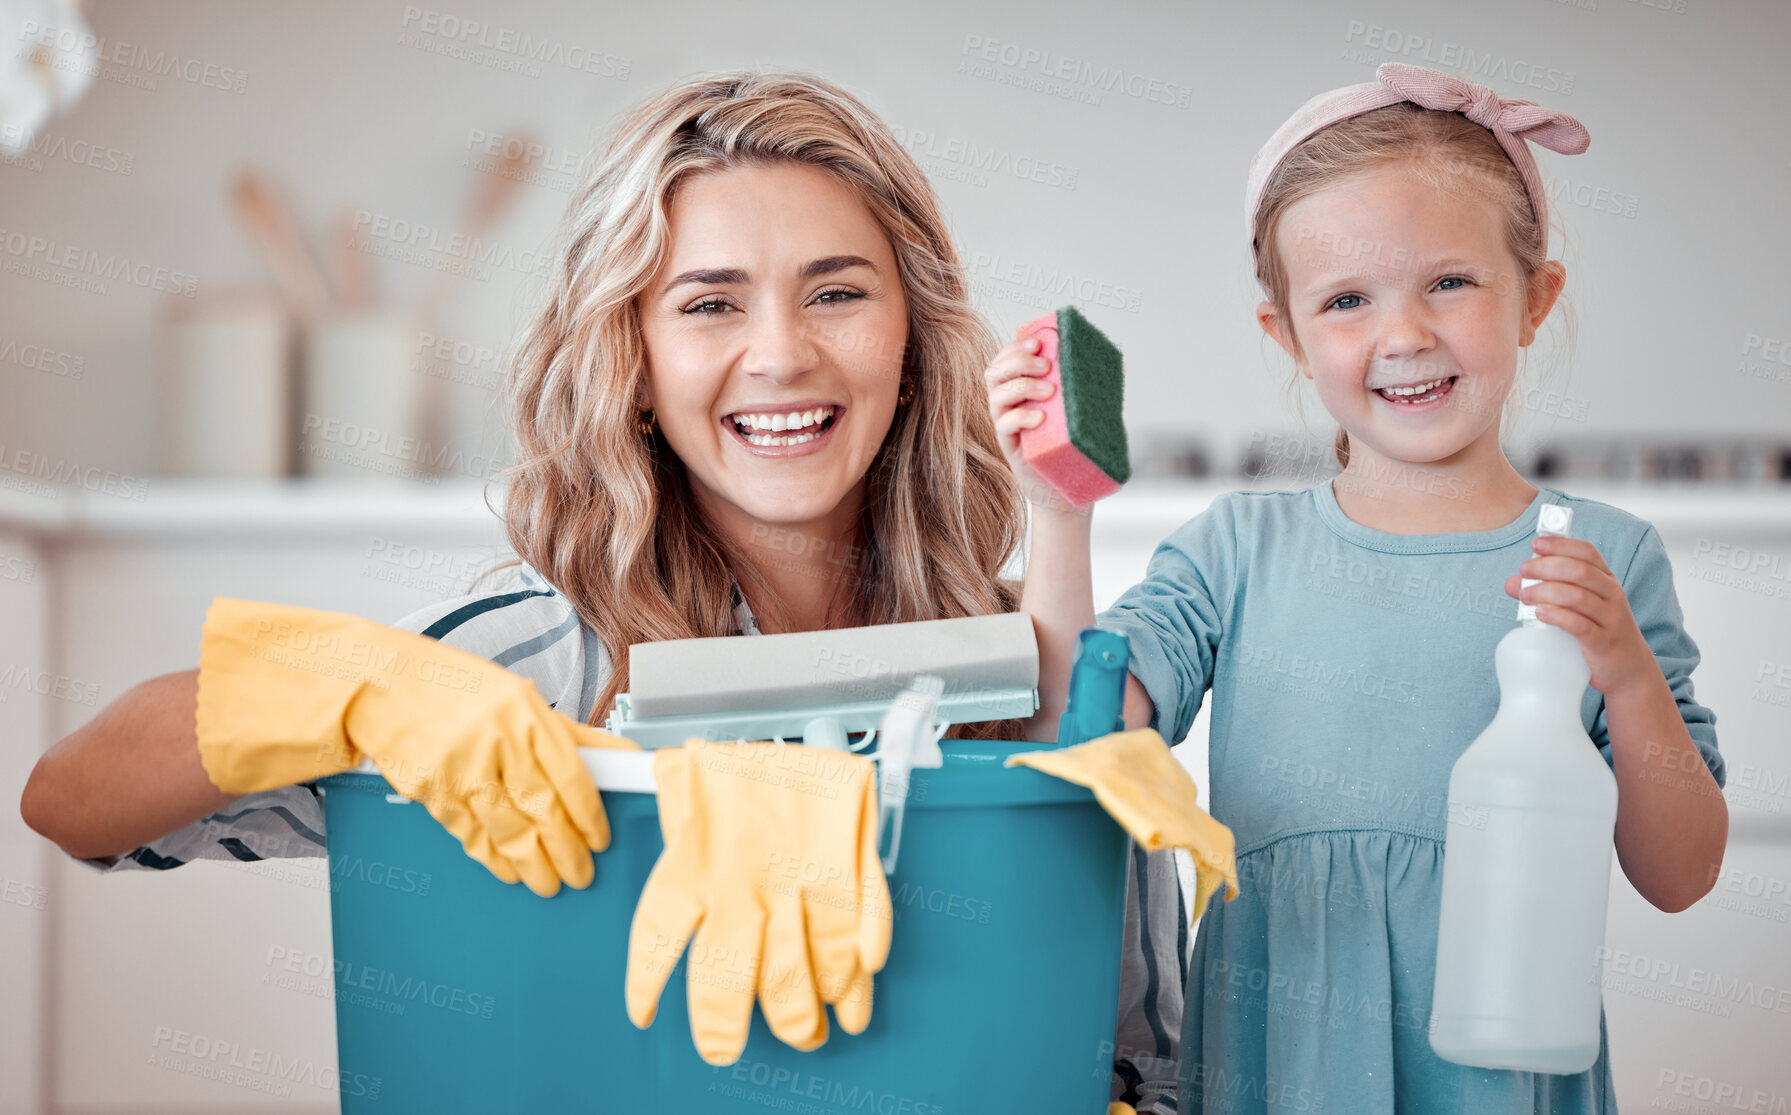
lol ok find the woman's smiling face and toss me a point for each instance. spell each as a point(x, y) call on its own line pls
point(774, 334)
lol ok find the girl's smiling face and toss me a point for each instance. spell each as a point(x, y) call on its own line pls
point(1396, 283)
point(774, 334)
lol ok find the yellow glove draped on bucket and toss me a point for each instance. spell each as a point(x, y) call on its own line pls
point(289, 694)
point(1142, 786)
point(771, 860)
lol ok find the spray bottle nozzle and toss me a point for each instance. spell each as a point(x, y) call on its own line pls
point(1551, 519)
point(908, 739)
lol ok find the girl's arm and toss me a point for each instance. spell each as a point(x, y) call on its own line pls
point(1059, 596)
point(126, 777)
point(1672, 821)
point(1059, 589)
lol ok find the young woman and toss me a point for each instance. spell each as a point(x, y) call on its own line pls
point(752, 402)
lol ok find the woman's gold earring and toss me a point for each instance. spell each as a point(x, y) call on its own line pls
point(646, 422)
point(906, 394)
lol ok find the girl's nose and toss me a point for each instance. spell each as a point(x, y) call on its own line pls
point(779, 347)
point(1406, 333)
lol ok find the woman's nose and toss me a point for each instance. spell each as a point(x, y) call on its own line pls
point(779, 347)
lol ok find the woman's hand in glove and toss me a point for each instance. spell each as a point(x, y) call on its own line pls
point(290, 694)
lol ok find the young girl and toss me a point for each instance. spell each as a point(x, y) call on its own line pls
point(1347, 630)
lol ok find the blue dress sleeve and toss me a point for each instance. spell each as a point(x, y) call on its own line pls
point(1175, 617)
point(1648, 583)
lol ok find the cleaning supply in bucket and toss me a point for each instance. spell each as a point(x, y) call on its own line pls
point(771, 862)
point(1097, 695)
point(1080, 447)
point(753, 807)
point(1142, 786)
point(1134, 775)
point(290, 694)
point(1526, 865)
point(909, 738)
point(774, 686)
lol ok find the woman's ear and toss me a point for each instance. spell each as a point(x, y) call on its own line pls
point(1277, 327)
point(1546, 283)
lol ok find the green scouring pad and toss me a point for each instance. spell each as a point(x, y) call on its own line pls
point(1080, 447)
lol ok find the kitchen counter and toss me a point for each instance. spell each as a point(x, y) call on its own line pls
point(315, 508)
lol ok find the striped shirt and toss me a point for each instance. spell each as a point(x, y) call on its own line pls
point(530, 629)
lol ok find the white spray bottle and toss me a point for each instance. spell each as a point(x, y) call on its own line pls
point(1526, 865)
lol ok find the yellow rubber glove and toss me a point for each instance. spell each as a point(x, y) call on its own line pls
point(1143, 787)
point(771, 861)
point(290, 694)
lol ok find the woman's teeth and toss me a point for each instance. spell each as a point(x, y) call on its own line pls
point(777, 429)
point(1416, 392)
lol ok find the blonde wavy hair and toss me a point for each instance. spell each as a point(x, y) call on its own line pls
point(605, 513)
point(1445, 149)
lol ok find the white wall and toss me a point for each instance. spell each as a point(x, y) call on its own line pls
point(1684, 107)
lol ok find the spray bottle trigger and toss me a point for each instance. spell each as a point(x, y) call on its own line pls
point(908, 740)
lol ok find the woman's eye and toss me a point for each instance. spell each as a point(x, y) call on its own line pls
point(707, 306)
point(836, 296)
point(1344, 302)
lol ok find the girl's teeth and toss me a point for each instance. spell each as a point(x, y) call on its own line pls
point(1415, 389)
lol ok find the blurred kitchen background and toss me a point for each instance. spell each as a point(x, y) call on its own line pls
point(260, 266)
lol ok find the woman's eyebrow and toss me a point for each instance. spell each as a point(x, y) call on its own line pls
point(724, 276)
point(827, 265)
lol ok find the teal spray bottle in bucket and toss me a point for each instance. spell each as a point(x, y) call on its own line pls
point(1097, 697)
point(1526, 865)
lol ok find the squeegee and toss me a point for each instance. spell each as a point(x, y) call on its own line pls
point(777, 686)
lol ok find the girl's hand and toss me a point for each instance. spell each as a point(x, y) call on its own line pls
point(1578, 593)
point(1014, 384)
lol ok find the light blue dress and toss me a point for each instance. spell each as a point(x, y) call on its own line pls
point(1349, 669)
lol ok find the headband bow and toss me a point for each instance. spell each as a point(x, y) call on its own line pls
point(1556, 131)
point(1512, 122)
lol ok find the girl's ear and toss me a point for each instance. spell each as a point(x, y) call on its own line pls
point(1277, 327)
point(1546, 283)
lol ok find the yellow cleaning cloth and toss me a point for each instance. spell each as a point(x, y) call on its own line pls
point(290, 694)
point(771, 861)
point(1140, 784)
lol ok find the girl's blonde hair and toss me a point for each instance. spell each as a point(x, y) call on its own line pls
point(605, 511)
point(1444, 149)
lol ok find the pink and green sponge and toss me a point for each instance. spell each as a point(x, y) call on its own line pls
point(1080, 447)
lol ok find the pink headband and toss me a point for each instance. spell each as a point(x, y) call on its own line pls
point(1512, 122)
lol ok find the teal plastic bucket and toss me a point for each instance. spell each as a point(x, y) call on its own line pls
point(456, 992)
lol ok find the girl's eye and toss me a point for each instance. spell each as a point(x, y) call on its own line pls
point(1460, 280)
point(1344, 302)
point(707, 306)
point(837, 296)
